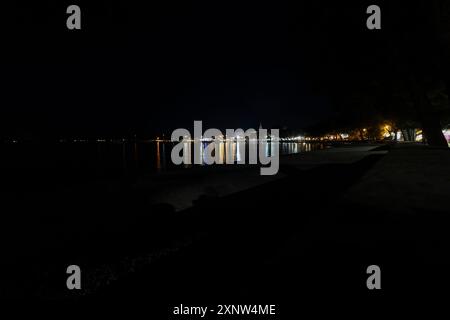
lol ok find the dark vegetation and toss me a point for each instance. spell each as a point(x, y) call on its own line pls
point(397, 75)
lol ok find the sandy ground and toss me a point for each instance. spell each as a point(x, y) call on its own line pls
point(411, 178)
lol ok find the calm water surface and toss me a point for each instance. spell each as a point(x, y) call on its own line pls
point(119, 157)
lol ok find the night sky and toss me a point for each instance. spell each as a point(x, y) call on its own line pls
point(144, 70)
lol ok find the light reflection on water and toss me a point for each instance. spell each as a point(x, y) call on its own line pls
point(135, 157)
point(228, 151)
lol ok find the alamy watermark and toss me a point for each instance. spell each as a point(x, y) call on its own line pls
point(257, 143)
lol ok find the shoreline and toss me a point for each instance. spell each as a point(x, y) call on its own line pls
point(136, 237)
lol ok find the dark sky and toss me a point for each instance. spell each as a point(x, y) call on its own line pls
point(135, 69)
